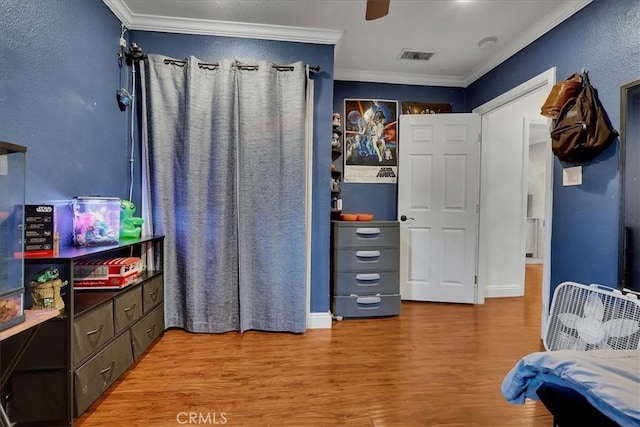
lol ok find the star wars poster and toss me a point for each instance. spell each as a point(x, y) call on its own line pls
point(371, 141)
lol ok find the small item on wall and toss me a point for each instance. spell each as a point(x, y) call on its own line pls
point(336, 120)
point(370, 141)
point(411, 107)
point(582, 129)
point(124, 99)
point(336, 173)
point(336, 133)
point(572, 176)
point(335, 140)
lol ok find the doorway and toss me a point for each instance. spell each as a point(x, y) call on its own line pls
point(536, 136)
point(504, 191)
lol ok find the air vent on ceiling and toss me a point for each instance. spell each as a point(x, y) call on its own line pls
point(415, 55)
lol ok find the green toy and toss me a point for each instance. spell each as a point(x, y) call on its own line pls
point(130, 226)
point(46, 275)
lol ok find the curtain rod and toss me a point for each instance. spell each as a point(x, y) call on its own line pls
point(239, 65)
point(135, 54)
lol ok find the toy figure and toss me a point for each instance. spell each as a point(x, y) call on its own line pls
point(49, 273)
point(130, 226)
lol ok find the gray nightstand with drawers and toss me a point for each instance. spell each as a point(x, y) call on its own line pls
point(365, 259)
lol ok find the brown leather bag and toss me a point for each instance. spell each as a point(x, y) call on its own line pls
point(582, 129)
point(560, 93)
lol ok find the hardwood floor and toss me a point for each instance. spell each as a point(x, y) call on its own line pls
point(434, 365)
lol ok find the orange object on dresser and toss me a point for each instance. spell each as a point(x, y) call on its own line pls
point(348, 217)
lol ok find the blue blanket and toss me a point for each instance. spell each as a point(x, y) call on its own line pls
point(609, 380)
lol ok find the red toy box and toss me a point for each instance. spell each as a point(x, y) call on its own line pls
point(113, 273)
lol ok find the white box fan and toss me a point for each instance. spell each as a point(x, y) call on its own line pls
point(592, 317)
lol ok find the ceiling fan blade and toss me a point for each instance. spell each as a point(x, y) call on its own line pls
point(376, 9)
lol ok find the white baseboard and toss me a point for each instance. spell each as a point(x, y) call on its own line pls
point(319, 321)
point(502, 291)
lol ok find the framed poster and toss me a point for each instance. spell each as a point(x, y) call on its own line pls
point(410, 107)
point(370, 141)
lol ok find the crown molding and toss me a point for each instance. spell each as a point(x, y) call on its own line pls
point(396, 78)
point(208, 27)
point(525, 39)
point(546, 78)
point(121, 10)
point(144, 22)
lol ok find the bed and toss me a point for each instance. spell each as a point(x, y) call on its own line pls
point(580, 388)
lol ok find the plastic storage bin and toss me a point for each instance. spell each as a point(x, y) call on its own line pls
point(96, 221)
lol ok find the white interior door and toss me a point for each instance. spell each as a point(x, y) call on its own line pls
point(438, 196)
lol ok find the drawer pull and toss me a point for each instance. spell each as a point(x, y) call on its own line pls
point(95, 331)
point(367, 254)
point(105, 370)
point(367, 277)
point(368, 231)
point(151, 330)
point(369, 300)
point(128, 309)
point(154, 294)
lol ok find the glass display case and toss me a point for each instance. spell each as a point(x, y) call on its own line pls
point(12, 195)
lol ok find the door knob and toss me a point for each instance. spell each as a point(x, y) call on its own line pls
point(404, 218)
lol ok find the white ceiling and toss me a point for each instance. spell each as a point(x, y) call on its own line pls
point(369, 50)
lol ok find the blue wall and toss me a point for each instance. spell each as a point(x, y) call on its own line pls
point(58, 79)
point(381, 199)
point(209, 48)
point(604, 38)
point(59, 75)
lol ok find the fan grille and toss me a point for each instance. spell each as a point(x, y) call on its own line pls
point(592, 318)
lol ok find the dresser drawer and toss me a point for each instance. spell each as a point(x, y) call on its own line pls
point(384, 282)
point(147, 330)
point(366, 259)
point(152, 293)
point(366, 234)
point(95, 376)
point(127, 308)
point(91, 330)
point(366, 305)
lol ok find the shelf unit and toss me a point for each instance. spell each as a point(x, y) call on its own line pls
point(336, 166)
point(77, 356)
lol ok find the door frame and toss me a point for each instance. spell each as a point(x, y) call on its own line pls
point(546, 79)
point(528, 123)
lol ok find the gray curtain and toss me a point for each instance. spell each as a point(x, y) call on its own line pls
point(271, 198)
point(227, 172)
